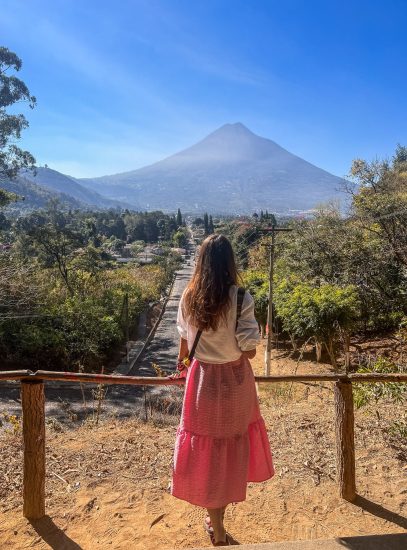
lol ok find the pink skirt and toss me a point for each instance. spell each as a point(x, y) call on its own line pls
point(221, 442)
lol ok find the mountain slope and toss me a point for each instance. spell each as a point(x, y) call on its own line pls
point(230, 171)
point(36, 196)
point(60, 183)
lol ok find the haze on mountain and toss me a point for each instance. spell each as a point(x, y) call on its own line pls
point(37, 189)
point(34, 196)
point(231, 171)
point(58, 183)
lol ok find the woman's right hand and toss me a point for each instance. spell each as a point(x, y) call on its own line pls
point(181, 371)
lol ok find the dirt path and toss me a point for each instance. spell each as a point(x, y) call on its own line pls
point(107, 485)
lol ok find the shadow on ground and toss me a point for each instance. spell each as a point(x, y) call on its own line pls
point(53, 535)
point(375, 542)
point(381, 512)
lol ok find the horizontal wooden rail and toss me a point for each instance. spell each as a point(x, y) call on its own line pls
point(15, 374)
point(163, 381)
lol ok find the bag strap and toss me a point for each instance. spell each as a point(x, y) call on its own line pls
point(240, 296)
point(192, 352)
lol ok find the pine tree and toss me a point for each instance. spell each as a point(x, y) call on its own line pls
point(206, 224)
point(179, 218)
point(211, 227)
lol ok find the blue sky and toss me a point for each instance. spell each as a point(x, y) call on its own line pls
point(122, 84)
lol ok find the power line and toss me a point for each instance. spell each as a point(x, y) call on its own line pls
point(385, 216)
point(261, 230)
point(246, 238)
point(254, 231)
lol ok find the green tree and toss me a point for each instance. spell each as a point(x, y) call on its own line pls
point(53, 237)
point(272, 219)
point(256, 282)
point(379, 200)
point(179, 218)
point(12, 91)
point(211, 227)
point(321, 313)
point(180, 239)
point(206, 224)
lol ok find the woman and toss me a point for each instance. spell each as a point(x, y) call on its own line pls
point(221, 442)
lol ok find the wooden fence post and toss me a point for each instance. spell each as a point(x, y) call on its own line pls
point(345, 439)
point(33, 405)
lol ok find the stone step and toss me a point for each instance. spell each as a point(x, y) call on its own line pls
point(396, 541)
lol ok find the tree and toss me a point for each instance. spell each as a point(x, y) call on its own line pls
point(379, 201)
point(54, 239)
point(206, 223)
point(12, 90)
point(180, 239)
point(211, 228)
point(179, 218)
point(256, 282)
point(6, 197)
point(322, 313)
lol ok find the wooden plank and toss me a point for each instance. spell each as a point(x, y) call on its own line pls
point(33, 405)
point(14, 374)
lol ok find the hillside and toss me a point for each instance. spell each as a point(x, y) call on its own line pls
point(230, 171)
point(59, 183)
point(36, 196)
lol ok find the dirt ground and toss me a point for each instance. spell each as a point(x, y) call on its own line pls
point(107, 485)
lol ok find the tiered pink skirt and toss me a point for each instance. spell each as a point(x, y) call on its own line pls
point(221, 442)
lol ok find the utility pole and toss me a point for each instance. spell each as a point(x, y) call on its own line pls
point(270, 306)
point(273, 230)
point(126, 323)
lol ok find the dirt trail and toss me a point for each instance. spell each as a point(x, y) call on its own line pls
point(107, 485)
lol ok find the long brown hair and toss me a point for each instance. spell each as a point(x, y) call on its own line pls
point(206, 298)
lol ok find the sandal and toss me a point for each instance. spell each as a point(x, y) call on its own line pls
point(207, 524)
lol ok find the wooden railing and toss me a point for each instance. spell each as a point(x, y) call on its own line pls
point(33, 409)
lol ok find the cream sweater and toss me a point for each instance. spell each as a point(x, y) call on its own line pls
point(225, 344)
